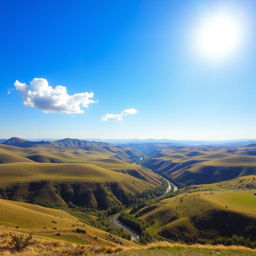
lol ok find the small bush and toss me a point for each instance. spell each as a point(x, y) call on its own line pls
point(19, 242)
point(79, 230)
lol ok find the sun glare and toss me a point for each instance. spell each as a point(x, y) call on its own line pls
point(219, 36)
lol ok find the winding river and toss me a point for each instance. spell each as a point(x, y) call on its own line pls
point(134, 235)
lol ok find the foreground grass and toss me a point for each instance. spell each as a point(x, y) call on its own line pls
point(51, 247)
point(164, 249)
point(185, 252)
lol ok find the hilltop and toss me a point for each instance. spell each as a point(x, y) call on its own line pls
point(122, 153)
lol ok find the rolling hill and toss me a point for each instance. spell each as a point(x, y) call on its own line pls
point(52, 223)
point(204, 213)
point(57, 175)
point(187, 165)
point(86, 185)
point(120, 152)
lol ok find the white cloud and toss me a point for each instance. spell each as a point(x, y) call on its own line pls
point(119, 117)
point(39, 94)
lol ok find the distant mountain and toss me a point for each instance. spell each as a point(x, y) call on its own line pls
point(150, 148)
point(121, 152)
point(243, 142)
point(252, 145)
point(19, 142)
point(87, 145)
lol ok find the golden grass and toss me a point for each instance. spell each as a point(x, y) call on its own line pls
point(50, 247)
point(239, 201)
point(28, 172)
point(47, 222)
point(164, 244)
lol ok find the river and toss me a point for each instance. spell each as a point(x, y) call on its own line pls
point(134, 235)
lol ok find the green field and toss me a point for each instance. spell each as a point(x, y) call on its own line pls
point(240, 201)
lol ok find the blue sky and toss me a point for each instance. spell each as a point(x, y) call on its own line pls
point(132, 54)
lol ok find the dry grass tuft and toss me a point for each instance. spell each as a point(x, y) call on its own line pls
point(198, 246)
point(52, 247)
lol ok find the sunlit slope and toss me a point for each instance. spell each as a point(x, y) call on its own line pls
point(201, 216)
point(240, 183)
point(23, 217)
point(203, 164)
point(85, 185)
point(27, 172)
point(52, 154)
point(67, 150)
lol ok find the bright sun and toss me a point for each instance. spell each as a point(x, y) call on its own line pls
point(219, 36)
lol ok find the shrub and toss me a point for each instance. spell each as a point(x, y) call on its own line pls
point(79, 230)
point(20, 241)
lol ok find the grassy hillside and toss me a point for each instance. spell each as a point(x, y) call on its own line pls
point(187, 165)
point(52, 223)
point(87, 174)
point(243, 182)
point(56, 154)
point(85, 185)
point(202, 216)
point(119, 152)
point(53, 247)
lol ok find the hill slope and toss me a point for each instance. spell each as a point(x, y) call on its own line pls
point(42, 221)
point(120, 152)
point(188, 165)
point(203, 216)
point(85, 185)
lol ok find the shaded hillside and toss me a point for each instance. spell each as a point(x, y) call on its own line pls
point(205, 216)
point(84, 185)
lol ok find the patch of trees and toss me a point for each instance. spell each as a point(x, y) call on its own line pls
point(137, 226)
point(235, 240)
point(100, 219)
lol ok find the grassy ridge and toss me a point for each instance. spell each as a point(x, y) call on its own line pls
point(84, 185)
point(202, 164)
point(42, 221)
point(201, 215)
point(27, 172)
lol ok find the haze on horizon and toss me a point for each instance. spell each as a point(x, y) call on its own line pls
point(128, 69)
